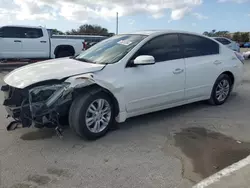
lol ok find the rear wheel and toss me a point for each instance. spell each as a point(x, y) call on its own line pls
point(91, 116)
point(221, 90)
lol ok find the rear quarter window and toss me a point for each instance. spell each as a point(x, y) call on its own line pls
point(223, 41)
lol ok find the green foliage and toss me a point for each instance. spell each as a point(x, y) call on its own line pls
point(88, 29)
point(237, 36)
point(56, 32)
point(245, 37)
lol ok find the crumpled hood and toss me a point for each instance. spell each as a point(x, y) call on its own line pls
point(48, 70)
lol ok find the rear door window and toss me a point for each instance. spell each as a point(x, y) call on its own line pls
point(195, 46)
point(32, 32)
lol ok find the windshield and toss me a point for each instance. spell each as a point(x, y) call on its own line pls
point(110, 50)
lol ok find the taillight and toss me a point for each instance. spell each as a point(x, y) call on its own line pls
point(240, 56)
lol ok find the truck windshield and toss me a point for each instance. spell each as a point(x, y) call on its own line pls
point(111, 50)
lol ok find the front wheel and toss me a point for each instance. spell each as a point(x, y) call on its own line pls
point(91, 116)
point(221, 90)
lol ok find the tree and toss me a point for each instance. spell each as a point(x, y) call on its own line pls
point(110, 34)
point(244, 37)
point(210, 33)
point(56, 32)
point(223, 34)
point(88, 29)
point(206, 33)
point(237, 36)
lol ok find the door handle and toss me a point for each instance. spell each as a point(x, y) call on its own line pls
point(43, 41)
point(217, 62)
point(17, 41)
point(178, 71)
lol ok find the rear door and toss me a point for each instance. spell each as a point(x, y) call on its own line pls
point(11, 42)
point(203, 65)
point(36, 43)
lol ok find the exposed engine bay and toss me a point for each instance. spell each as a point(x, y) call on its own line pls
point(39, 106)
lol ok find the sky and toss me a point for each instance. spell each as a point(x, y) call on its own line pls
point(190, 15)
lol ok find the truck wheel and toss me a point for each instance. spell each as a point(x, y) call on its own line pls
point(65, 53)
point(91, 116)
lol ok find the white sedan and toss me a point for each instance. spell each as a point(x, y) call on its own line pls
point(123, 76)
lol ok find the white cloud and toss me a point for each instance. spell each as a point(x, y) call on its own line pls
point(177, 14)
point(199, 16)
point(194, 24)
point(131, 21)
point(5, 17)
point(83, 10)
point(235, 1)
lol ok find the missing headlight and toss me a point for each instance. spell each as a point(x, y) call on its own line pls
point(43, 93)
point(42, 98)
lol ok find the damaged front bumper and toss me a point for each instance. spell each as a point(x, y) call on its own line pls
point(39, 106)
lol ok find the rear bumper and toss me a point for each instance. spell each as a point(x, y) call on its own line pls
point(238, 76)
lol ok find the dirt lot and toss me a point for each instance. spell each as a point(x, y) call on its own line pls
point(172, 148)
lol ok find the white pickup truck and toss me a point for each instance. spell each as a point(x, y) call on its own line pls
point(25, 42)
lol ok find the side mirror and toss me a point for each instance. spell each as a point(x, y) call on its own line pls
point(144, 60)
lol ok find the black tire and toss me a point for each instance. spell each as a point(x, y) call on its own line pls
point(65, 53)
point(78, 111)
point(213, 99)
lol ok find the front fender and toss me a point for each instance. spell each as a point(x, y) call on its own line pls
point(88, 79)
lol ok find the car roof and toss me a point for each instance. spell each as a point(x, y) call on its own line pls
point(26, 26)
point(159, 32)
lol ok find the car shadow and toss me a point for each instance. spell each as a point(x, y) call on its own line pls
point(152, 118)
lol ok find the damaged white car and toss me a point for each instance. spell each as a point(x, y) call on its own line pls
point(121, 77)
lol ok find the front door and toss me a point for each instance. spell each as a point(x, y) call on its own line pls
point(152, 86)
point(10, 43)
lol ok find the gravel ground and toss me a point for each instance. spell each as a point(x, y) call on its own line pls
point(139, 154)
